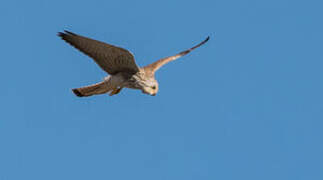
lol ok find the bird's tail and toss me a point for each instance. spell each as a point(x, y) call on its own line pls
point(98, 88)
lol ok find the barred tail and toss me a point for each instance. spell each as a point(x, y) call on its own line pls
point(98, 88)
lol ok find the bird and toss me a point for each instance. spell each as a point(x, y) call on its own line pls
point(119, 63)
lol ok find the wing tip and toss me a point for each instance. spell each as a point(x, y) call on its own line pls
point(200, 44)
point(65, 33)
point(61, 34)
point(206, 40)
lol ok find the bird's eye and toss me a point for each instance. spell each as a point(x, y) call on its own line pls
point(154, 87)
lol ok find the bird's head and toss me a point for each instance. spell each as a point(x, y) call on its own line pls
point(150, 87)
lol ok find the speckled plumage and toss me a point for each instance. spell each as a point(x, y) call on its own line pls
point(120, 64)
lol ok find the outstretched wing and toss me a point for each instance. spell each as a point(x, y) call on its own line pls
point(152, 68)
point(110, 58)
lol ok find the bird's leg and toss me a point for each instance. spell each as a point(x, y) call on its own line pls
point(115, 91)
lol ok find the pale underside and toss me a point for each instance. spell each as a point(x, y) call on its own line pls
point(120, 64)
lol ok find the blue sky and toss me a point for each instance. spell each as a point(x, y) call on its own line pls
point(247, 105)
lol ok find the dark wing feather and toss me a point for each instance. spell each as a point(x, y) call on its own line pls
point(110, 58)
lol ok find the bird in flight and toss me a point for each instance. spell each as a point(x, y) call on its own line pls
point(120, 64)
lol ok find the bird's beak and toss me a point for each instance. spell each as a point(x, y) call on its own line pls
point(153, 94)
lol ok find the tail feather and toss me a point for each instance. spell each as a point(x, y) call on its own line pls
point(99, 88)
point(77, 92)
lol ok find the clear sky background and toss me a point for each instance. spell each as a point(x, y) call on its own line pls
point(246, 105)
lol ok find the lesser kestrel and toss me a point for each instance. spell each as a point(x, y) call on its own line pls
point(120, 64)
